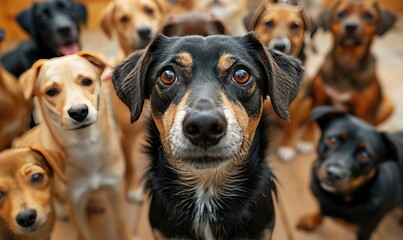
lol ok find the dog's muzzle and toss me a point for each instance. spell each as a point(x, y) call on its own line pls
point(204, 125)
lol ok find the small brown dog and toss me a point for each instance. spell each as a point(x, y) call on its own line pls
point(14, 109)
point(202, 24)
point(347, 78)
point(283, 27)
point(26, 188)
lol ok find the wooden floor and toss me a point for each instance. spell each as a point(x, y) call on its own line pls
point(295, 199)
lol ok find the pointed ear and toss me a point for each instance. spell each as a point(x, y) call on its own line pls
point(386, 21)
point(256, 16)
point(394, 144)
point(322, 115)
point(106, 19)
point(95, 60)
point(27, 81)
point(310, 25)
point(55, 159)
point(285, 74)
point(26, 20)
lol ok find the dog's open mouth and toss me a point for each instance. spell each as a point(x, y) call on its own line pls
point(350, 41)
point(70, 48)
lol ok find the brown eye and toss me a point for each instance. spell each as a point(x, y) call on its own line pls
point(124, 19)
point(294, 26)
point(368, 16)
point(168, 77)
point(52, 92)
point(86, 82)
point(37, 179)
point(241, 76)
point(341, 15)
point(2, 195)
point(149, 11)
point(364, 155)
point(269, 24)
point(333, 141)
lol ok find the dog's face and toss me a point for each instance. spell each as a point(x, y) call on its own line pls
point(349, 150)
point(68, 89)
point(55, 25)
point(282, 27)
point(134, 21)
point(206, 93)
point(193, 24)
point(355, 23)
point(26, 182)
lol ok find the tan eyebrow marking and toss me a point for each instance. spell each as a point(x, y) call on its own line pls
point(225, 62)
point(185, 59)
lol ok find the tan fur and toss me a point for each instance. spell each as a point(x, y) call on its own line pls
point(225, 62)
point(95, 159)
point(17, 168)
point(186, 60)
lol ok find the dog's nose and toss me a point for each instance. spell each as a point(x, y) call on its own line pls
point(144, 33)
point(334, 173)
point(280, 46)
point(78, 113)
point(64, 30)
point(204, 125)
point(351, 27)
point(27, 218)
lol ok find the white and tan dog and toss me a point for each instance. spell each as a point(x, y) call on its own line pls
point(76, 120)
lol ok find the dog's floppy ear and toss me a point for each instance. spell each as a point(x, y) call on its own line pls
point(310, 25)
point(394, 144)
point(27, 21)
point(324, 19)
point(80, 13)
point(322, 115)
point(219, 25)
point(170, 24)
point(2, 34)
point(55, 159)
point(94, 59)
point(163, 7)
point(106, 19)
point(256, 16)
point(27, 80)
point(386, 21)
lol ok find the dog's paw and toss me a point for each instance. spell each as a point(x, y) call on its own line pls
point(308, 222)
point(304, 147)
point(136, 196)
point(285, 154)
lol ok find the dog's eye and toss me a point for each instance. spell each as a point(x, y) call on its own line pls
point(44, 16)
point(52, 92)
point(368, 16)
point(269, 24)
point(2, 195)
point(86, 82)
point(333, 141)
point(124, 19)
point(364, 155)
point(149, 10)
point(341, 15)
point(294, 26)
point(241, 76)
point(168, 77)
point(37, 179)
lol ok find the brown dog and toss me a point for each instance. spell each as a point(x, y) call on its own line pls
point(283, 27)
point(76, 119)
point(347, 78)
point(193, 24)
point(26, 188)
point(14, 109)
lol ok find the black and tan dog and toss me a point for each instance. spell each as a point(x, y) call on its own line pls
point(356, 179)
point(54, 30)
point(208, 176)
point(348, 77)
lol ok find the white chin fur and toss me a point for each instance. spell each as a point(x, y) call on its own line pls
point(327, 187)
point(226, 148)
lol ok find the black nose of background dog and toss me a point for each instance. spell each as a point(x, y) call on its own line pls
point(78, 113)
point(351, 27)
point(27, 218)
point(334, 173)
point(144, 33)
point(280, 46)
point(65, 30)
point(204, 125)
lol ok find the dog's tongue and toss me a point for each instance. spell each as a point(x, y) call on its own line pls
point(69, 49)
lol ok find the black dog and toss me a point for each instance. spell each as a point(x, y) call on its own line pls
point(208, 176)
point(358, 177)
point(54, 29)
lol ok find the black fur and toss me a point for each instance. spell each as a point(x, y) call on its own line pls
point(43, 21)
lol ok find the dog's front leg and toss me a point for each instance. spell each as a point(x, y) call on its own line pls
point(77, 205)
point(117, 201)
